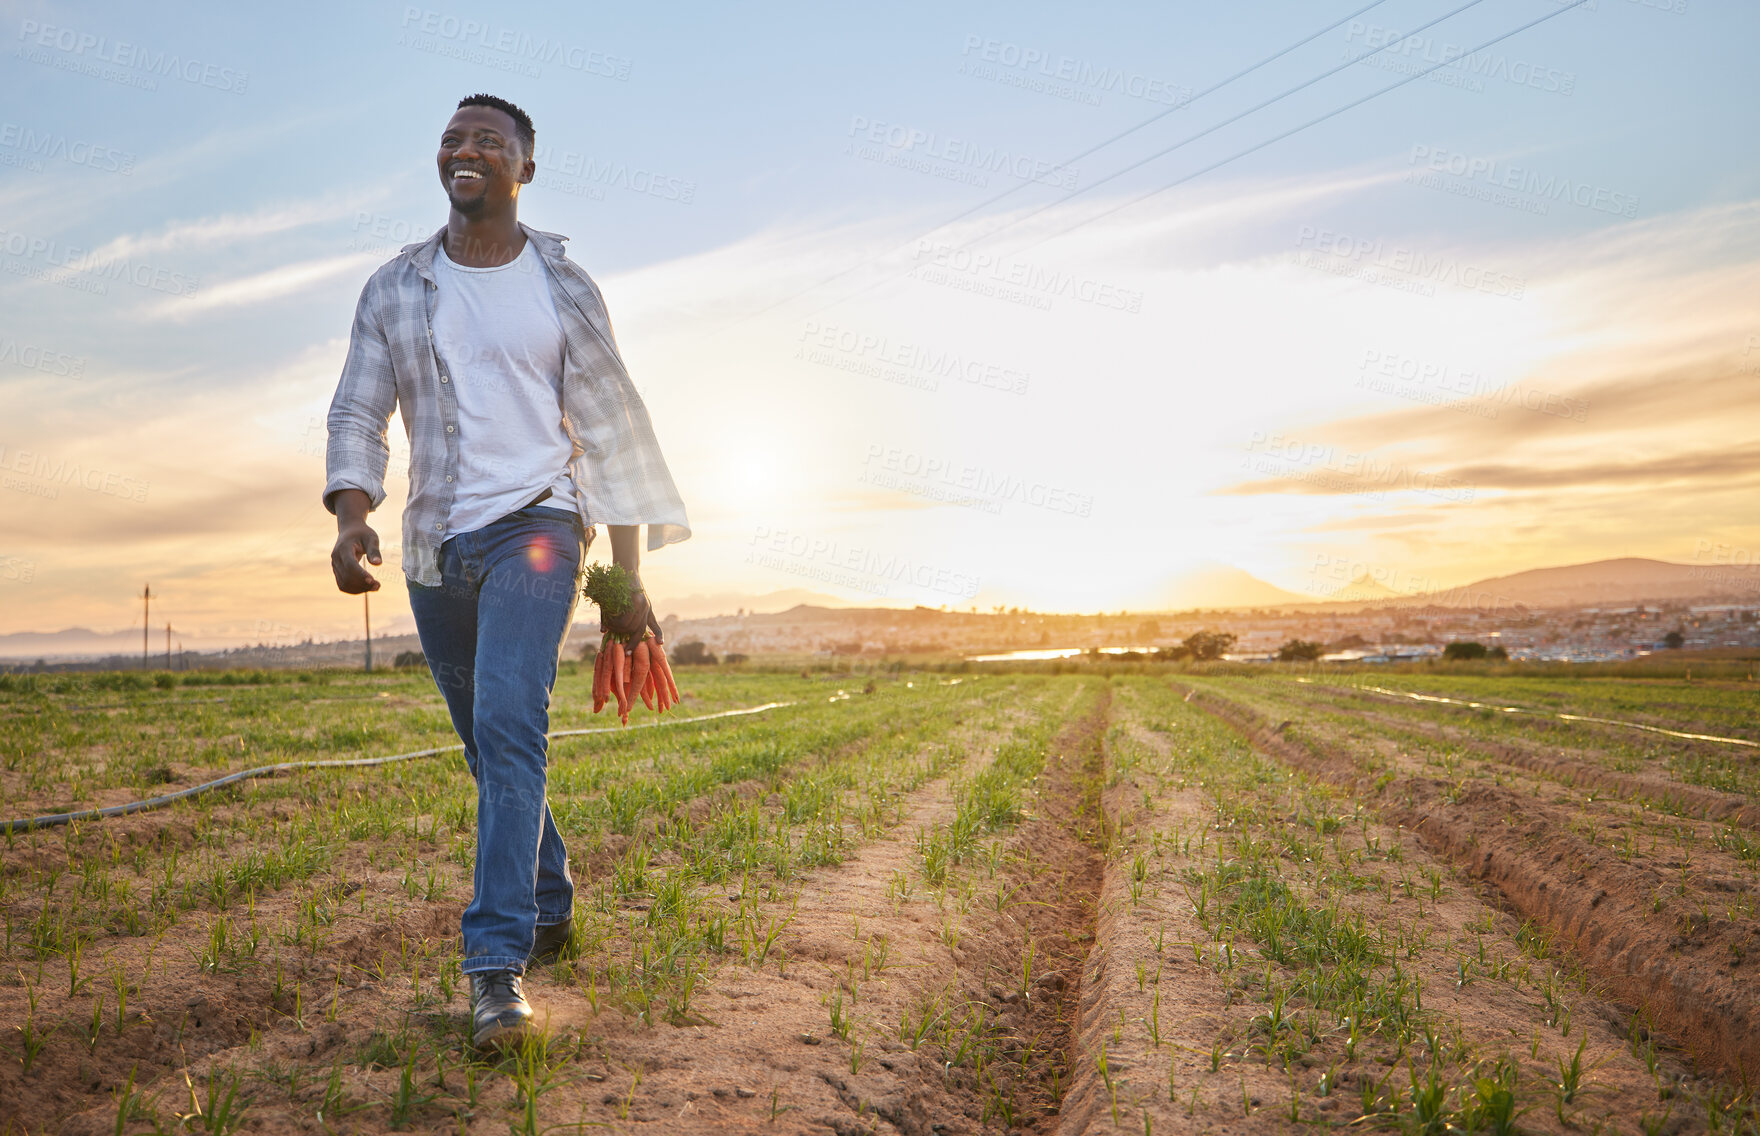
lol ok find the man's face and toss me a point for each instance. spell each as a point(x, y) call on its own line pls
point(481, 161)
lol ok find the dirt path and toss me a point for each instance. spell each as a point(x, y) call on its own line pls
point(889, 1004)
point(885, 996)
point(308, 975)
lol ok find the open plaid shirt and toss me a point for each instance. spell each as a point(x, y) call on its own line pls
point(619, 474)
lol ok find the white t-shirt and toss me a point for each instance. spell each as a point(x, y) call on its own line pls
point(498, 334)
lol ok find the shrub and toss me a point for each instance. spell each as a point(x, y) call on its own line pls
point(1298, 651)
point(692, 651)
point(1209, 644)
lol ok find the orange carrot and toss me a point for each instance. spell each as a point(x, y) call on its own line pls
point(619, 679)
point(660, 660)
point(657, 669)
point(641, 677)
point(629, 664)
point(601, 690)
point(656, 683)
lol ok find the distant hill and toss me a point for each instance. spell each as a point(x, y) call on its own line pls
point(1219, 586)
point(83, 642)
point(1211, 586)
point(1364, 589)
point(1627, 580)
point(705, 605)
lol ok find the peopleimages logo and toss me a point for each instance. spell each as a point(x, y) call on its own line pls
point(1391, 373)
point(50, 474)
point(84, 51)
point(47, 144)
point(1063, 75)
point(882, 356)
point(70, 258)
point(29, 355)
point(1413, 263)
point(440, 33)
point(1498, 174)
point(856, 566)
point(575, 171)
point(931, 146)
point(892, 467)
point(1349, 471)
point(1384, 45)
point(1028, 280)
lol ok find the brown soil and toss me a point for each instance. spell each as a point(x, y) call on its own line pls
point(1181, 1035)
point(1557, 765)
point(757, 1053)
point(1122, 971)
point(1689, 972)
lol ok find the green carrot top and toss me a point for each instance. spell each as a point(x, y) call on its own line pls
point(609, 586)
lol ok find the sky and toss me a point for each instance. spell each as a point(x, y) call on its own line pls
point(965, 305)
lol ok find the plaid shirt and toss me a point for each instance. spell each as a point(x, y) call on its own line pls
point(619, 474)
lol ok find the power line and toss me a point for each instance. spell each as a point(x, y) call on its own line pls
point(1154, 118)
point(1235, 156)
point(1311, 122)
point(1213, 129)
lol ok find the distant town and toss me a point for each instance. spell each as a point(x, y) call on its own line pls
point(1375, 633)
point(1371, 633)
point(1602, 611)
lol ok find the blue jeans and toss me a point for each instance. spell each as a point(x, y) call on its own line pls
point(492, 632)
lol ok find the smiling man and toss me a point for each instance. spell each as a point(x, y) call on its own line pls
point(525, 432)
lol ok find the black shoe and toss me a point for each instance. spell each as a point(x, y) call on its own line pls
point(552, 940)
point(500, 1013)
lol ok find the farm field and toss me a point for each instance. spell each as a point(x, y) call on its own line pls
point(913, 902)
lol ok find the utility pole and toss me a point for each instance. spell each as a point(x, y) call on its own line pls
point(146, 606)
point(367, 610)
point(167, 646)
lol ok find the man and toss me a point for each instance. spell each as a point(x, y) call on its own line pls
point(525, 431)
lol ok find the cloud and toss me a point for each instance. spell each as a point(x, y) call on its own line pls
point(1724, 467)
point(1636, 371)
point(66, 195)
point(273, 284)
point(1518, 413)
point(1362, 474)
point(231, 228)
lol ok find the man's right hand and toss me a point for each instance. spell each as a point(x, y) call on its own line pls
point(355, 538)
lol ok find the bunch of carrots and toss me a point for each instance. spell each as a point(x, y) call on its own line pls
point(622, 671)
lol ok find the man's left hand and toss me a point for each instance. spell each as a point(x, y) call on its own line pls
point(633, 621)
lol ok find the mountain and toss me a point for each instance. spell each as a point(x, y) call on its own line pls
point(72, 643)
point(79, 642)
point(1627, 580)
point(1216, 586)
point(1363, 589)
point(705, 605)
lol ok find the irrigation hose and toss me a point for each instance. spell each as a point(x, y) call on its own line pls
point(27, 824)
point(1548, 714)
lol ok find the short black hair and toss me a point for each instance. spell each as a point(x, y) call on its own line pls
point(522, 122)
